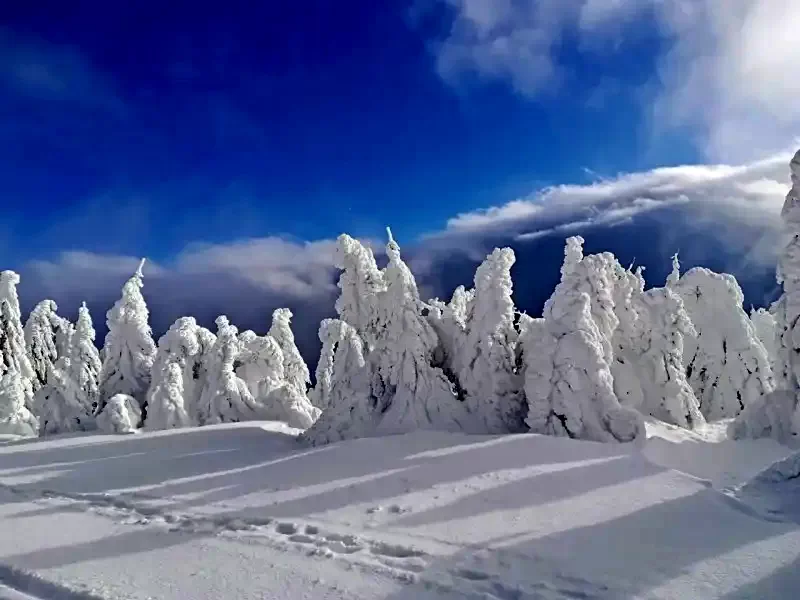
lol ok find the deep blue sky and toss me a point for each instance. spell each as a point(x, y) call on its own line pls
point(137, 128)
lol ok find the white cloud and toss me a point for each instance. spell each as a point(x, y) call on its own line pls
point(726, 72)
point(718, 198)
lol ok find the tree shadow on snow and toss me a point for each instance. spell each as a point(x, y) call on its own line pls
point(623, 557)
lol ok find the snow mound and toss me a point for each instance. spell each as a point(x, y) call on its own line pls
point(773, 493)
point(121, 414)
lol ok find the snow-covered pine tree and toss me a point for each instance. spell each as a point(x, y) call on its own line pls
point(361, 284)
point(413, 393)
point(350, 407)
point(449, 321)
point(63, 408)
point(121, 414)
point(170, 403)
point(295, 370)
point(726, 364)
point(568, 381)
point(15, 418)
point(494, 393)
point(13, 352)
point(260, 364)
point(330, 336)
point(777, 415)
point(225, 397)
point(766, 330)
point(84, 362)
point(40, 340)
point(129, 348)
point(648, 351)
point(165, 406)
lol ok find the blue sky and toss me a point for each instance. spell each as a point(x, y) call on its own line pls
point(245, 136)
point(305, 118)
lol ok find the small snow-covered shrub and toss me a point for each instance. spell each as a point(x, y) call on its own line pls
point(121, 414)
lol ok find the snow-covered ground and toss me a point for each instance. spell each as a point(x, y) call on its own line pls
point(244, 511)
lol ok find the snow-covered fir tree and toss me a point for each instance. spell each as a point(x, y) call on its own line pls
point(568, 381)
point(412, 392)
point(13, 352)
point(15, 418)
point(295, 370)
point(46, 335)
point(350, 406)
point(225, 397)
point(777, 415)
point(648, 351)
point(121, 414)
point(766, 330)
point(726, 364)
point(129, 348)
point(487, 373)
point(84, 362)
point(171, 403)
point(165, 405)
point(361, 284)
point(449, 321)
point(260, 363)
point(63, 408)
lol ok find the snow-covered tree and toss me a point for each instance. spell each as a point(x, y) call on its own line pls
point(568, 381)
point(449, 321)
point(330, 337)
point(13, 352)
point(413, 393)
point(63, 408)
point(487, 366)
point(766, 330)
point(43, 346)
point(165, 401)
point(648, 351)
point(295, 370)
point(15, 418)
point(171, 404)
point(129, 348)
point(350, 406)
point(225, 397)
point(362, 284)
point(121, 414)
point(260, 364)
point(84, 362)
point(777, 414)
point(726, 364)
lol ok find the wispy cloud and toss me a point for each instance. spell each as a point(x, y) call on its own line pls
point(725, 72)
point(37, 69)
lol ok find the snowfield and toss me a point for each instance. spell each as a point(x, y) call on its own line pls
point(246, 511)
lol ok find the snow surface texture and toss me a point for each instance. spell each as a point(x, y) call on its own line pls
point(726, 363)
point(129, 348)
point(568, 381)
point(240, 511)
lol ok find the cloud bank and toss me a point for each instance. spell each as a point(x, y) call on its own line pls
point(724, 67)
point(721, 216)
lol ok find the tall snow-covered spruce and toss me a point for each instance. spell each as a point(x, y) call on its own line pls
point(84, 361)
point(488, 368)
point(345, 386)
point(14, 361)
point(46, 340)
point(568, 381)
point(406, 390)
point(726, 363)
point(129, 348)
point(648, 351)
point(777, 415)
